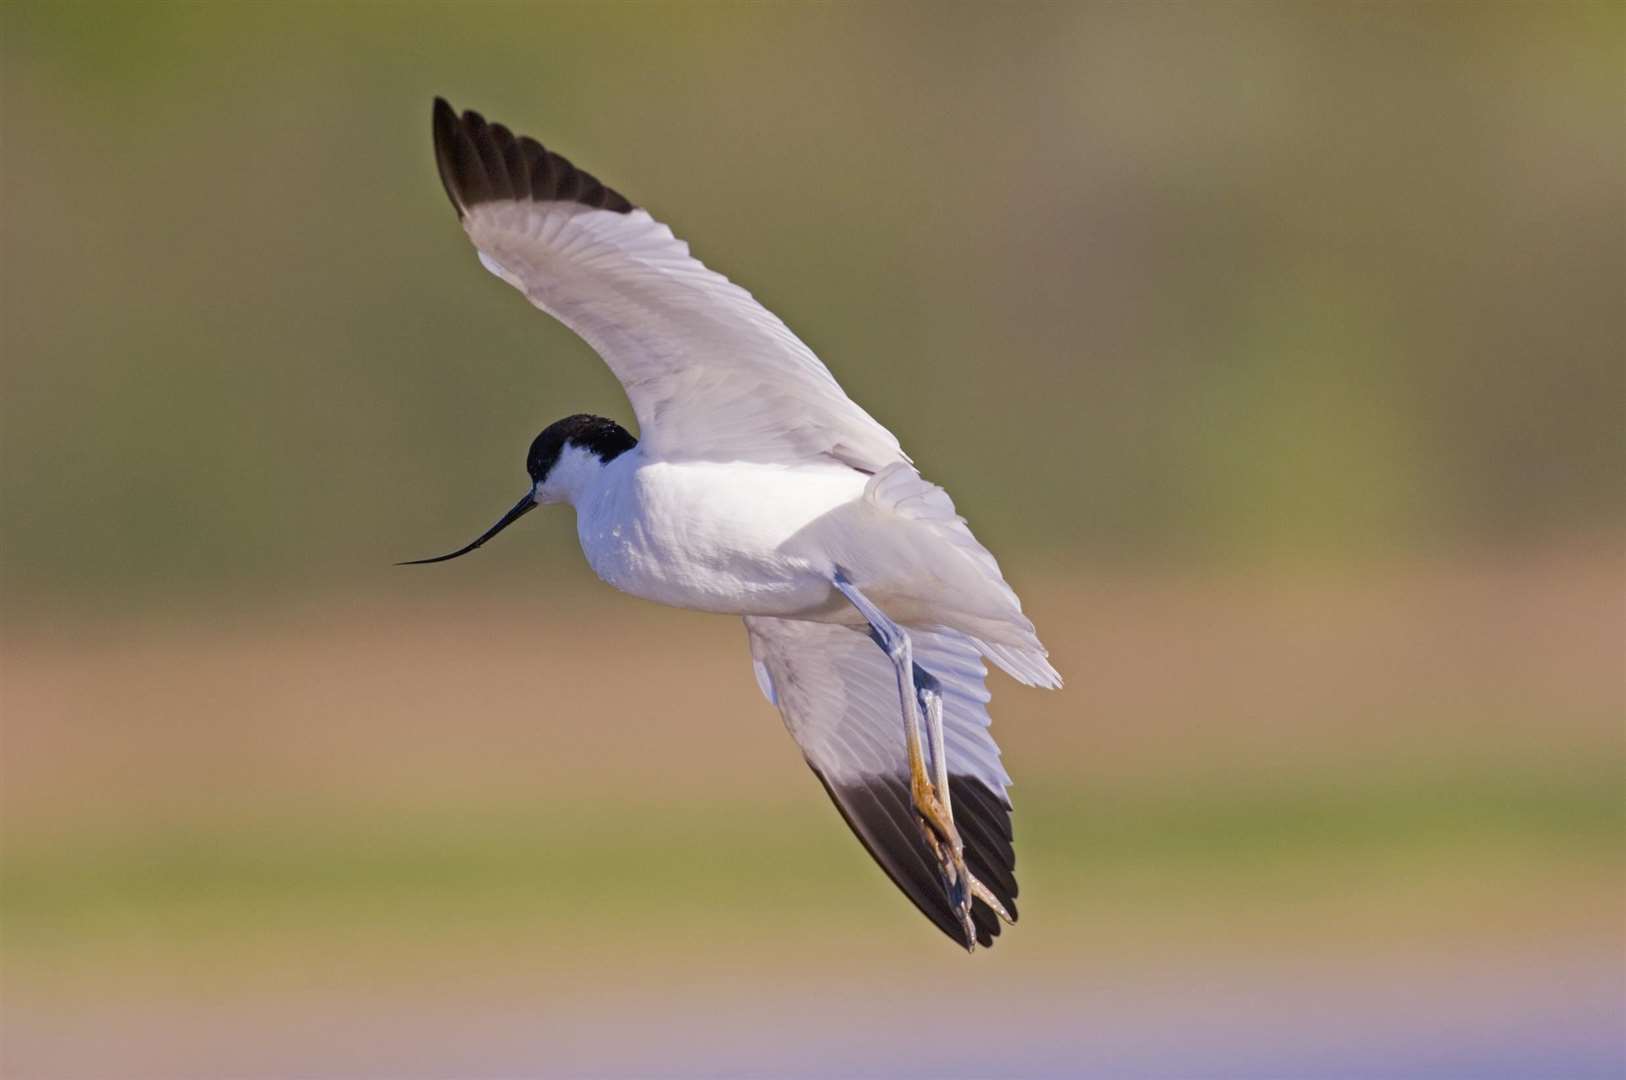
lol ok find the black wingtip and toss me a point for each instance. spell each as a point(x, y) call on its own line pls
point(445, 128)
point(481, 162)
point(878, 811)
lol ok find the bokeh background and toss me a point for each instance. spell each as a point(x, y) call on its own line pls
point(1276, 349)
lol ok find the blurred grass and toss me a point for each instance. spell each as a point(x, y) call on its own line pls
point(667, 881)
point(363, 795)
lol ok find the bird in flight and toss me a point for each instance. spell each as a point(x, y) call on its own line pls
point(757, 487)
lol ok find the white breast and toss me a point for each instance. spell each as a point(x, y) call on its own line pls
point(712, 536)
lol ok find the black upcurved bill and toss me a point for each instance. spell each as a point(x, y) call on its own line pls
point(521, 508)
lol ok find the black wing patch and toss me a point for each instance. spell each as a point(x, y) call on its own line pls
point(481, 163)
point(878, 811)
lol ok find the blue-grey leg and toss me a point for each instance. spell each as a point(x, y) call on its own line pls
point(917, 687)
point(930, 693)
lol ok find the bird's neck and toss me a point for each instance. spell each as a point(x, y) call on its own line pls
point(574, 476)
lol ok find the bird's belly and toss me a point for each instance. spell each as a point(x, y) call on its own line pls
point(726, 538)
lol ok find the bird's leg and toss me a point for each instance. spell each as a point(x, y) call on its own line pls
point(931, 703)
point(930, 803)
point(946, 844)
point(931, 800)
point(930, 693)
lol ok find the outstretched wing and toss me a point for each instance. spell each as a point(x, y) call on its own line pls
point(839, 697)
point(711, 373)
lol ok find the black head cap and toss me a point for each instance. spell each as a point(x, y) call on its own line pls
point(605, 438)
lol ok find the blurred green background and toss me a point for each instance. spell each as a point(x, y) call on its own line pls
point(1276, 349)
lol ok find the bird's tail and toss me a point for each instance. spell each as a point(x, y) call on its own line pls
point(1029, 665)
point(993, 617)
